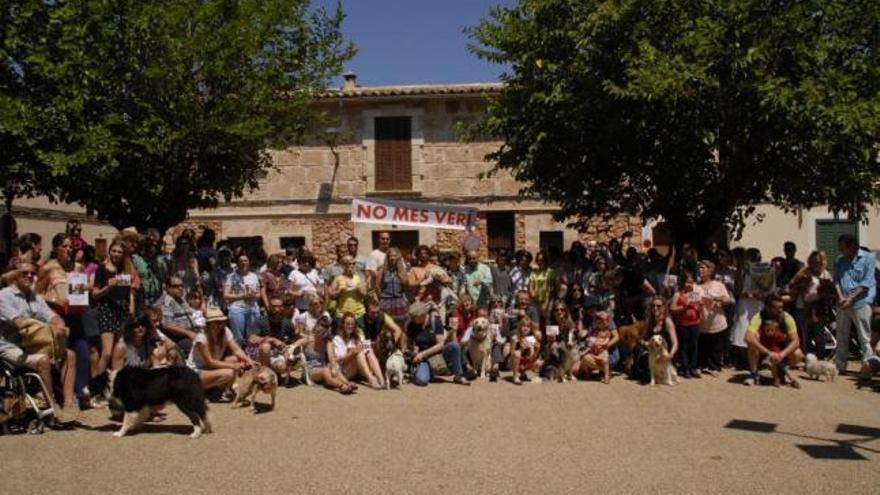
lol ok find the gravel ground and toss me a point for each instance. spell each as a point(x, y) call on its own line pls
point(489, 438)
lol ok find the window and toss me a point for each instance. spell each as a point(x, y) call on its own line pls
point(291, 242)
point(551, 241)
point(500, 228)
point(827, 232)
point(393, 153)
point(405, 240)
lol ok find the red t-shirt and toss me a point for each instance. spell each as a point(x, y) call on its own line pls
point(690, 315)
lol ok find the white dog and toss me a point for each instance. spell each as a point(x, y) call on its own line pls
point(816, 368)
point(479, 347)
point(660, 362)
point(394, 367)
point(296, 360)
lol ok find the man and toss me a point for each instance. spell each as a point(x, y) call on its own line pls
point(631, 290)
point(502, 283)
point(522, 272)
point(373, 322)
point(772, 335)
point(334, 269)
point(479, 279)
point(178, 322)
point(376, 260)
point(19, 307)
point(360, 261)
point(856, 289)
point(790, 265)
point(274, 331)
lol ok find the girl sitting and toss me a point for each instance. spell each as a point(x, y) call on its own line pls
point(526, 350)
point(354, 355)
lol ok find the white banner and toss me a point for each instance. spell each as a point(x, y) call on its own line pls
point(410, 213)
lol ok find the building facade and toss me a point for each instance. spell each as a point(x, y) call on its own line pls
point(395, 142)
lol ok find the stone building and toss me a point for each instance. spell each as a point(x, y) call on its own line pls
point(394, 142)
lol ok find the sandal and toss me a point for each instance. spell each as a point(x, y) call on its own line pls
point(345, 389)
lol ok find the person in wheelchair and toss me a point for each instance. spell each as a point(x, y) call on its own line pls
point(22, 311)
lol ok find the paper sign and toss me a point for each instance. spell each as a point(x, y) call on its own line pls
point(78, 289)
point(552, 330)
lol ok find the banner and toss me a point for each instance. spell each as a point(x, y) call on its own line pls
point(410, 213)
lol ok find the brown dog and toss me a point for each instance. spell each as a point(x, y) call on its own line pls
point(630, 337)
point(262, 379)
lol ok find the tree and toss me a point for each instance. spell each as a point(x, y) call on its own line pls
point(696, 111)
point(171, 105)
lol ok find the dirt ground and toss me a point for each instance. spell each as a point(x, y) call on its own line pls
point(704, 436)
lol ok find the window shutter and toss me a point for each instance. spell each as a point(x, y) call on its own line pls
point(827, 232)
point(393, 157)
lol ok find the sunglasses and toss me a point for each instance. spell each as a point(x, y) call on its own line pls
point(29, 273)
point(561, 309)
point(175, 286)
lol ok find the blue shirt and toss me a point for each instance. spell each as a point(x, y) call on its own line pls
point(850, 274)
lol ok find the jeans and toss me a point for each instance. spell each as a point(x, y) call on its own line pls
point(861, 318)
point(688, 342)
point(80, 346)
point(454, 361)
point(243, 321)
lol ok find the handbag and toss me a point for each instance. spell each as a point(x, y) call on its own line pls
point(38, 338)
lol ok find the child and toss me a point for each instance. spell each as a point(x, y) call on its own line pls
point(596, 357)
point(526, 354)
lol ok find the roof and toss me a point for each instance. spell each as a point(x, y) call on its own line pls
point(415, 90)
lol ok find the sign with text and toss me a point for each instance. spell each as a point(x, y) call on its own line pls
point(412, 214)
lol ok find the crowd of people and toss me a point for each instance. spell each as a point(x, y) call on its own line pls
point(221, 309)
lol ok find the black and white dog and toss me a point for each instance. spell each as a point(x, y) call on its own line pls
point(139, 390)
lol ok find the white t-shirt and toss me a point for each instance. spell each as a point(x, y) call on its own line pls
point(237, 283)
point(308, 320)
point(375, 260)
point(340, 347)
point(195, 361)
point(308, 283)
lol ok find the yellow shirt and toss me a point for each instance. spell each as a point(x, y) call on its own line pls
point(348, 299)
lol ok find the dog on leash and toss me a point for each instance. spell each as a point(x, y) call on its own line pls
point(394, 368)
point(479, 347)
point(141, 390)
point(296, 361)
point(816, 368)
point(660, 362)
point(262, 379)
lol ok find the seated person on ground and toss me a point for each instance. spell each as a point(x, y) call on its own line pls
point(772, 336)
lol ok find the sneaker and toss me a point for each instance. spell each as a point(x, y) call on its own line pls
point(751, 380)
point(795, 384)
point(696, 374)
point(493, 375)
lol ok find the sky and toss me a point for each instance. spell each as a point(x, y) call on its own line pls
point(415, 41)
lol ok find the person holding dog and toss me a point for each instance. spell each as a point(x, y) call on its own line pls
point(773, 336)
point(274, 332)
point(215, 355)
point(427, 334)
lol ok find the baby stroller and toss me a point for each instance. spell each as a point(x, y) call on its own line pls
point(19, 409)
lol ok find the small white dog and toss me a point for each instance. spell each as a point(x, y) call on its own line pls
point(479, 347)
point(394, 367)
point(660, 362)
point(296, 360)
point(816, 368)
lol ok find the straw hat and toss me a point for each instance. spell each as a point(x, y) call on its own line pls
point(214, 313)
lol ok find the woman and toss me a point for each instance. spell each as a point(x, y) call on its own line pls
point(113, 290)
point(349, 290)
point(241, 291)
point(713, 319)
point(215, 356)
point(525, 346)
point(273, 285)
point(686, 310)
point(429, 338)
point(305, 281)
point(462, 317)
point(657, 322)
point(575, 301)
point(136, 348)
point(814, 290)
point(542, 284)
point(426, 280)
point(354, 356)
point(753, 286)
point(561, 323)
point(182, 263)
point(53, 286)
point(392, 279)
point(313, 334)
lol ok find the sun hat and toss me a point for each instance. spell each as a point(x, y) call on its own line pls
point(214, 313)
